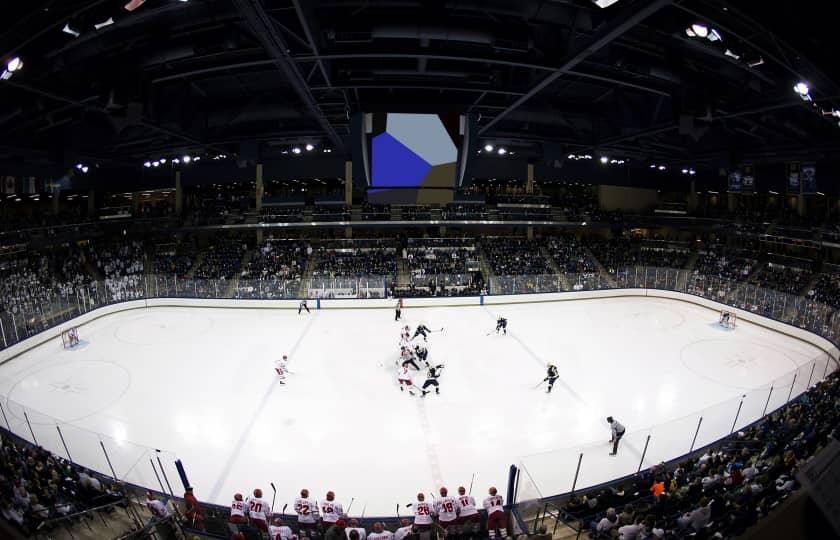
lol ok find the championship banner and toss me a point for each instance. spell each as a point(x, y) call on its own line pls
point(748, 179)
point(808, 177)
point(793, 178)
point(735, 181)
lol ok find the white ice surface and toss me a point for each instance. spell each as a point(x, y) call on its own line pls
point(198, 384)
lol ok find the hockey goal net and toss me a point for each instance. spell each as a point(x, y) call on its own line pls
point(70, 337)
point(728, 319)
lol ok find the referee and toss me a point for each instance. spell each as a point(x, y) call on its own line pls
point(617, 430)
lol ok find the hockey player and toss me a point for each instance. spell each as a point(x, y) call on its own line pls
point(404, 378)
point(447, 510)
point(423, 514)
point(617, 431)
point(259, 511)
point(398, 309)
point(237, 510)
point(494, 505)
point(73, 336)
point(406, 529)
point(303, 306)
point(422, 330)
point(280, 368)
point(331, 510)
point(469, 521)
point(278, 531)
point(379, 532)
point(407, 358)
point(501, 324)
point(431, 379)
point(307, 513)
point(551, 376)
point(422, 353)
point(354, 526)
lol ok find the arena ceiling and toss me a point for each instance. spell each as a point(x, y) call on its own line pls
point(547, 77)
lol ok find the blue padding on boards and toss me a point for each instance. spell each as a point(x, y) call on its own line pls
point(481, 300)
point(318, 303)
point(182, 473)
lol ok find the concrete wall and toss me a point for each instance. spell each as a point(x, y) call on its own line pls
point(627, 198)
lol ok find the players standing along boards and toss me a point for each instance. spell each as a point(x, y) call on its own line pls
point(331, 510)
point(494, 505)
point(447, 510)
point(469, 520)
point(431, 379)
point(551, 376)
point(307, 512)
point(423, 514)
point(303, 305)
point(259, 511)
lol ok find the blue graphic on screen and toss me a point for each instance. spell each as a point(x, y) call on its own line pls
point(414, 151)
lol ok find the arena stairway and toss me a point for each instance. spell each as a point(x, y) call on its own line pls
point(555, 268)
point(486, 270)
point(306, 275)
point(692, 260)
point(403, 272)
point(233, 284)
point(196, 264)
point(600, 267)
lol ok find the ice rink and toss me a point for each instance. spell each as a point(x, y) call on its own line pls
point(198, 384)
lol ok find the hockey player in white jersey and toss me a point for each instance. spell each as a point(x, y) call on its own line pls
point(494, 505)
point(406, 529)
point(259, 511)
point(354, 526)
point(469, 521)
point(447, 510)
point(331, 510)
point(307, 514)
point(423, 514)
point(238, 508)
point(379, 532)
point(404, 378)
point(278, 531)
point(280, 368)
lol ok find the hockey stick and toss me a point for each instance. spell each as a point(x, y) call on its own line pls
point(283, 511)
point(398, 511)
point(538, 385)
point(349, 506)
point(273, 497)
point(471, 484)
point(363, 511)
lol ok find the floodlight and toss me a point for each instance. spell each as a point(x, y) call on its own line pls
point(605, 159)
point(700, 30)
point(176, 160)
point(185, 159)
point(296, 150)
point(488, 147)
point(85, 169)
point(147, 164)
point(661, 167)
point(731, 54)
point(801, 88)
point(684, 171)
point(162, 160)
point(79, 166)
point(689, 32)
point(714, 35)
point(68, 30)
point(604, 3)
point(309, 147)
point(502, 151)
point(155, 163)
point(196, 158)
point(15, 64)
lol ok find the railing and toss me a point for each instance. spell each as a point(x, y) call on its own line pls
point(540, 476)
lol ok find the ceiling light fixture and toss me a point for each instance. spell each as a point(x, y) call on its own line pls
point(488, 147)
point(502, 151)
point(296, 150)
point(309, 147)
point(605, 159)
point(68, 30)
point(103, 24)
point(12, 66)
point(147, 164)
point(700, 30)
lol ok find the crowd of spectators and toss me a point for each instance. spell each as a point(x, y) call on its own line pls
point(416, 213)
point(355, 263)
point(122, 265)
point(716, 260)
point(432, 261)
point(826, 290)
point(570, 255)
point(36, 486)
point(274, 270)
point(281, 214)
point(331, 212)
point(726, 489)
point(464, 211)
point(376, 212)
point(173, 259)
point(222, 260)
point(788, 279)
point(512, 256)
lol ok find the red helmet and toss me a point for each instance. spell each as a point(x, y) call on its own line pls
point(237, 497)
point(258, 493)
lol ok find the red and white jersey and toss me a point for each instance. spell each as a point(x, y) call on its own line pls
point(238, 508)
point(282, 532)
point(362, 532)
point(259, 509)
point(402, 532)
point(494, 503)
point(404, 374)
point(446, 509)
point(384, 535)
point(158, 508)
point(307, 510)
point(280, 366)
point(423, 513)
point(466, 505)
point(331, 511)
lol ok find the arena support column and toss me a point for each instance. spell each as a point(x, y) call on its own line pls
point(179, 194)
point(348, 194)
point(91, 209)
point(259, 190)
point(529, 182)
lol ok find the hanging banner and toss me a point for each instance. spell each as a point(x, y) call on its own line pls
point(808, 177)
point(748, 178)
point(735, 181)
point(793, 184)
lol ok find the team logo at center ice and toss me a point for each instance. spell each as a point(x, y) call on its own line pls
point(67, 386)
point(740, 360)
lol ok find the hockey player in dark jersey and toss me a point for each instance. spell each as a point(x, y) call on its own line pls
point(422, 330)
point(422, 353)
point(407, 358)
point(551, 376)
point(432, 379)
point(501, 324)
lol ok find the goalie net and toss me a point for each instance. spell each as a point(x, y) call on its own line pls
point(70, 337)
point(727, 319)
